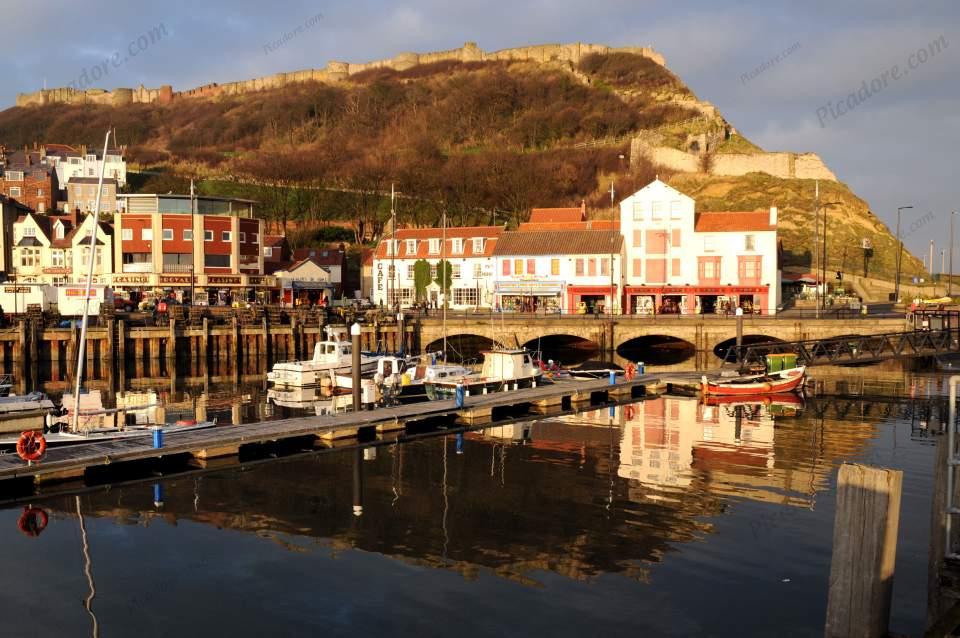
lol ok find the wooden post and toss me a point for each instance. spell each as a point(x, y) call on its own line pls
point(121, 346)
point(204, 347)
point(864, 551)
point(172, 349)
point(266, 351)
point(294, 337)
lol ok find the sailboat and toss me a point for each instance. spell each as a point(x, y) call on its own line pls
point(62, 433)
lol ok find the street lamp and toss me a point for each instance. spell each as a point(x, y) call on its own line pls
point(950, 277)
point(896, 285)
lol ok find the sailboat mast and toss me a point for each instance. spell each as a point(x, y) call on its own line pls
point(443, 261)
point(81, 351)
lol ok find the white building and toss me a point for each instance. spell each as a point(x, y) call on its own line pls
point(468, 249)
point(70, 162)
point(564, 271)
point(679, 260)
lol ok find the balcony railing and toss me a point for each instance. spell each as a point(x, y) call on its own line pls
point(140, 266)
point(178, 268)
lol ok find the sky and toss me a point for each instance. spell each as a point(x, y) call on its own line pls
point(894, 144)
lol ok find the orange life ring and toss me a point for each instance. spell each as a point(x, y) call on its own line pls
point(631, 370)
point(187, 422)
point(32, 521)
point(629, 413)
point(31, 446)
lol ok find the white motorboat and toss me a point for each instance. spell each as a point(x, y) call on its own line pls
point(404, 378)
point(24, 412)
point(330, 358)
point(502, 370)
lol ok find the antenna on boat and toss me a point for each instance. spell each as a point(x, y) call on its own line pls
point(81, 351)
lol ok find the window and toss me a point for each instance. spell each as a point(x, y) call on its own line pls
point(465, 297)
point(268, 252)
point(29, 257)
point(478, 245)
point(216, 261)
point(709, 269)
point(15, 191)
point(208, 235)
point(187, 235)
point(592, 267)
point(391, 247)
point(14, 176)
point(517, 266)
point(605, 267)
point(41, 207)
point(555, 267)
point(39, 192)
point(638, 211)
point(58, 231)
point(126, 234)
point(433, 271)
point(656, 211)
point(637, 238)
point(578, 267)
point(146, 234)
point(56, 258)
point(506, 267)
point(243, 237)
point(709, 244)
point(254, 238)
point(749, 270)
point(455, 271)
point(675, 268)
point(675, 238)
point(409, 271)
point(167, 234)
point(531, 266)
point(457, 245)
point(226, 235)
point(411, 247)
point(434, 246)
point(675, 210)
point(636, 267)
point(749, 242)
point(29, 231)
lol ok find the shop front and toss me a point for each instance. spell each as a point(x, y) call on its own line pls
point(684, 300)
point(214, 290)
point(591, 299)
point(529, 296)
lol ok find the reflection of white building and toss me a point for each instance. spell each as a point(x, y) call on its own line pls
point(667, 438)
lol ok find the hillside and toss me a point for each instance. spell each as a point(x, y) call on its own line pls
point(484, 140)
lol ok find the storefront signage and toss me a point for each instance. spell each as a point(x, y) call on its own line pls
point(223, 281)
point(380, 275)
point(17, 289)
point(528, 288)
point(131, 279)
point(79, 292)
point(696, 290)
point(176, 279)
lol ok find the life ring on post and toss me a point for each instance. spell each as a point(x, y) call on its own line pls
point(631, 370)
point(629, 413)
point(33, 521)
point(31, 446)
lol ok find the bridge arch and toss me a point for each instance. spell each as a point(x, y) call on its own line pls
point(722, 348)
point(657, 350)
point(568, 350)
point(463, 347)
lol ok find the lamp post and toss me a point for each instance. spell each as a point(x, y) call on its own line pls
point(896, 284)
point(950, 276)
point(823, 254)
point(193, 245)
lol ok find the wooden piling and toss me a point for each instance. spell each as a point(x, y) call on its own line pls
point(121, 346)
point(864, 551)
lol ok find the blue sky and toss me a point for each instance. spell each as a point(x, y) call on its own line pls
point(897, 147)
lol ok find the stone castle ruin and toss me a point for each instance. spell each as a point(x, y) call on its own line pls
point(333, 72)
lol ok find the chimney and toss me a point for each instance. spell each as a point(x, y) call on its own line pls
point(773, 216)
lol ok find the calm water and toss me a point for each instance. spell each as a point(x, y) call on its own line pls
point(669, 518)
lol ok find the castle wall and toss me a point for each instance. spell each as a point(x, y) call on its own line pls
point(334, 72)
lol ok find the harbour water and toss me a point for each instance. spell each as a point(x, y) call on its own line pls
point(666, 517)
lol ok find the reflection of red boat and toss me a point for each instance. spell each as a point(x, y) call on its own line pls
point(773, 383)
point(786, 399)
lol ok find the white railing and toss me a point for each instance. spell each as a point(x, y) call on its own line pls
point(144, 266)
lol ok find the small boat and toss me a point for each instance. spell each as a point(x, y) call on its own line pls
point(330, 358)
point(502, 370)
point(24, 412)
point(756, 384)
point(404, 379)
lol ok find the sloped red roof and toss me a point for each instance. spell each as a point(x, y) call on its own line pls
point(554, 215)
point(560, 242)
point(423, 235)
point(322, 256)
point(732, 221)
point(273, 240)
point(590, 224)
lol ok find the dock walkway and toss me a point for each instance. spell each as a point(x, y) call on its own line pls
point(71, 462)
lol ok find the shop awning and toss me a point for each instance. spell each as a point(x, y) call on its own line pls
point(533, 288)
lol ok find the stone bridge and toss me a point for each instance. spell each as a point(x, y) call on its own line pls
point(678, 338)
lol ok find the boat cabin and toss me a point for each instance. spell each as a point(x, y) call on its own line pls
point(332, 351)
point(509, 364)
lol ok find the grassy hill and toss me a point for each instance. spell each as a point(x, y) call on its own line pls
point(483, 141)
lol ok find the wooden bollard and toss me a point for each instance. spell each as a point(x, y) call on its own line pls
point(864, 551)
point(121, 347)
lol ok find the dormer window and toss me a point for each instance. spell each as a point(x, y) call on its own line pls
point(434, 246)
point(457, 245)
point(411, 246)
point(478, 245)
point(29, 231)
point(58, 230)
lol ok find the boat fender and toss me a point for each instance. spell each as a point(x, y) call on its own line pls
point(631, 370)
point(32, 521)
point(629, 413)
point(31, 446)
point(187, 422)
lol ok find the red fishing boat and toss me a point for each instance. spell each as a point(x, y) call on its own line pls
point(788, 380)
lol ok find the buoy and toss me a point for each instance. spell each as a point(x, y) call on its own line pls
point(31, 446)
point(32, 521)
